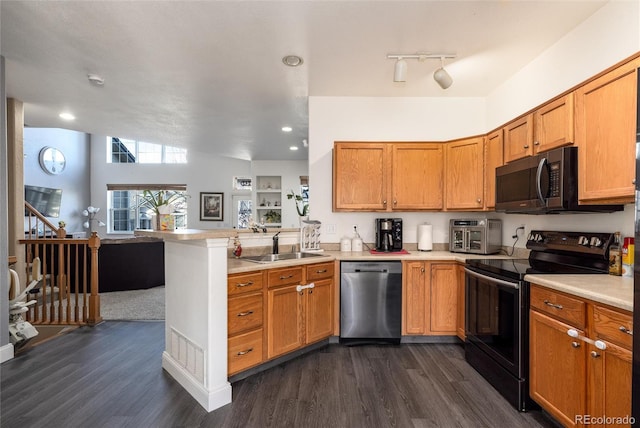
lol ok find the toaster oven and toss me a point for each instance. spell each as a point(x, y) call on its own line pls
point(477, 236)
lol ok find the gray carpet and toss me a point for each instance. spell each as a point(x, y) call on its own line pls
point(133, 305)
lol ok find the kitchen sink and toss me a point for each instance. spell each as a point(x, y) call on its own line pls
point(269, 258)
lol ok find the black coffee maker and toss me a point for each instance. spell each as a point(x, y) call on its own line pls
point(388, 234)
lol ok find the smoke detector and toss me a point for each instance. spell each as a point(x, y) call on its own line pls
point(95, 79)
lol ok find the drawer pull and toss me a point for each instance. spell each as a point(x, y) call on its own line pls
point(244, 314)
point(241, 353)
point(286, 277)
point(594, 354)
point(321, 271)
point(553, 305)
point(625, 330)
point(244, 284)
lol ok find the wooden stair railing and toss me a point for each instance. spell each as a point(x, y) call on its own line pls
point(38, 225)
point(67, 271)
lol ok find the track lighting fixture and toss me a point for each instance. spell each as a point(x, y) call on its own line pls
point(440, 75)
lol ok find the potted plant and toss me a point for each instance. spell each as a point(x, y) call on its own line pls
point(160, 202)
point(301, 206)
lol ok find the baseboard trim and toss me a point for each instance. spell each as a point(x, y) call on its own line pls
point(430, 339)
point(6, 352)
point(209, 399)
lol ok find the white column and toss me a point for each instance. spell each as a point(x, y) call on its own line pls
point(196, 318)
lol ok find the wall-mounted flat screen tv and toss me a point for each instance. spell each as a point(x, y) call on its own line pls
point(45, 200)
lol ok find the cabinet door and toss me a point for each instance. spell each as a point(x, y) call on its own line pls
point(610, 382)
point(284, 321)
point(443, 299)
point(461, 303)
point(557, 369)
point(554, 124)
point(417, 176)
point(360, 176)
point(518, 138)
point(319, 310)
point(605, 132)
point(493, 158)
point(465, 175)
point(414, 297)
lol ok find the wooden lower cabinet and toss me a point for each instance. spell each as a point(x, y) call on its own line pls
point(557, 369)
point(245, 320)
point(296, 318)
point(430, 298)
point(575, 381)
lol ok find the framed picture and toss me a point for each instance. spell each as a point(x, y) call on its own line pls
point(211, 206)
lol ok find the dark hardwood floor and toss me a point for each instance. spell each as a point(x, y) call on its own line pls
point(111, 376)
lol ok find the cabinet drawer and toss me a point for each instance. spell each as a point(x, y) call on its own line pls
point(613, 326)
point(285, 276)
point(558, 305)
point(319, 271)
point(244, 283)
point(245, 350)
point(244, 313)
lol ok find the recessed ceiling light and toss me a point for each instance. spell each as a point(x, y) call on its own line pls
point(292, 60)
point(95, 79)
point(66, 116)
point(294, 148)
point(287, 129)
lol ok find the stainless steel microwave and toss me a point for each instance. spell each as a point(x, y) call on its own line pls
point(478, 236)
point(546, 183)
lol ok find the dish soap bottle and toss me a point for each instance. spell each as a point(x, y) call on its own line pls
point(615, 256)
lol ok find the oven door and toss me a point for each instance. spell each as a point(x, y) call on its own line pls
point(494, 319)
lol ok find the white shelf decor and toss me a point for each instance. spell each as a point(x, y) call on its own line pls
point(310, 235)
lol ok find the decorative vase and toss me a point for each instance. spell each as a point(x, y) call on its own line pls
point(302, 219)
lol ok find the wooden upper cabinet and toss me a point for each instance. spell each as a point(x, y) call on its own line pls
point(417, 178)
point(606, 136)
point(360, 176)
point(549, 127)
point(465, 174)
point(554, 124)
point(518, 138)
point(388, 176)
point(493, 158)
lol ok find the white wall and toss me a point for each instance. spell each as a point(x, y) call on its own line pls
point(203, 173)
point(610, 35)
point(74, 180)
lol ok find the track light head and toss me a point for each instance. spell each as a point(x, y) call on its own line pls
point(400, 71)
point(442, 78)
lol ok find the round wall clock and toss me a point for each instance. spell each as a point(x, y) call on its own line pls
point(52, 160)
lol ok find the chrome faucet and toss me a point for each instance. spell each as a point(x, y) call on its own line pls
point(275, 243)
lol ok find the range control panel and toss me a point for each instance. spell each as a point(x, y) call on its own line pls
point(575, 242)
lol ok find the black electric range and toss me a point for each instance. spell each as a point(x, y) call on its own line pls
point(554, 252)
point(497, 304)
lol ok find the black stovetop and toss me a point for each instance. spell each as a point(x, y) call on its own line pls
point(553, 253)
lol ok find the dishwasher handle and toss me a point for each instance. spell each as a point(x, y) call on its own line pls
point(372, 270)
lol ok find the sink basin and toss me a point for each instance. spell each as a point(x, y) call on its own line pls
point(269, 258)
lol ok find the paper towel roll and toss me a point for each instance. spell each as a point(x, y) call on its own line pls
point(425, 237)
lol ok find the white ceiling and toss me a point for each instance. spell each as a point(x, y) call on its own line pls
point(209, 76)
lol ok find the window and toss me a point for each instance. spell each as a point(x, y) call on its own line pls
point(127, 212)
point(121, 150)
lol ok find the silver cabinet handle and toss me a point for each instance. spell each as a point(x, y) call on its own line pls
point(478, 200)
point(384, 202)
point(625, 330)
point(575, 344)
point(321, 271)
point(244, 284)
point(241, 353)
point(286, 277)
point(244, 314)
point(537, 143)
point(553, 305)
point(594, 354)
point(526, 146)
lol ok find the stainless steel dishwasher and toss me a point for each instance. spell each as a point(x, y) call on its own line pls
point(370, 302)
